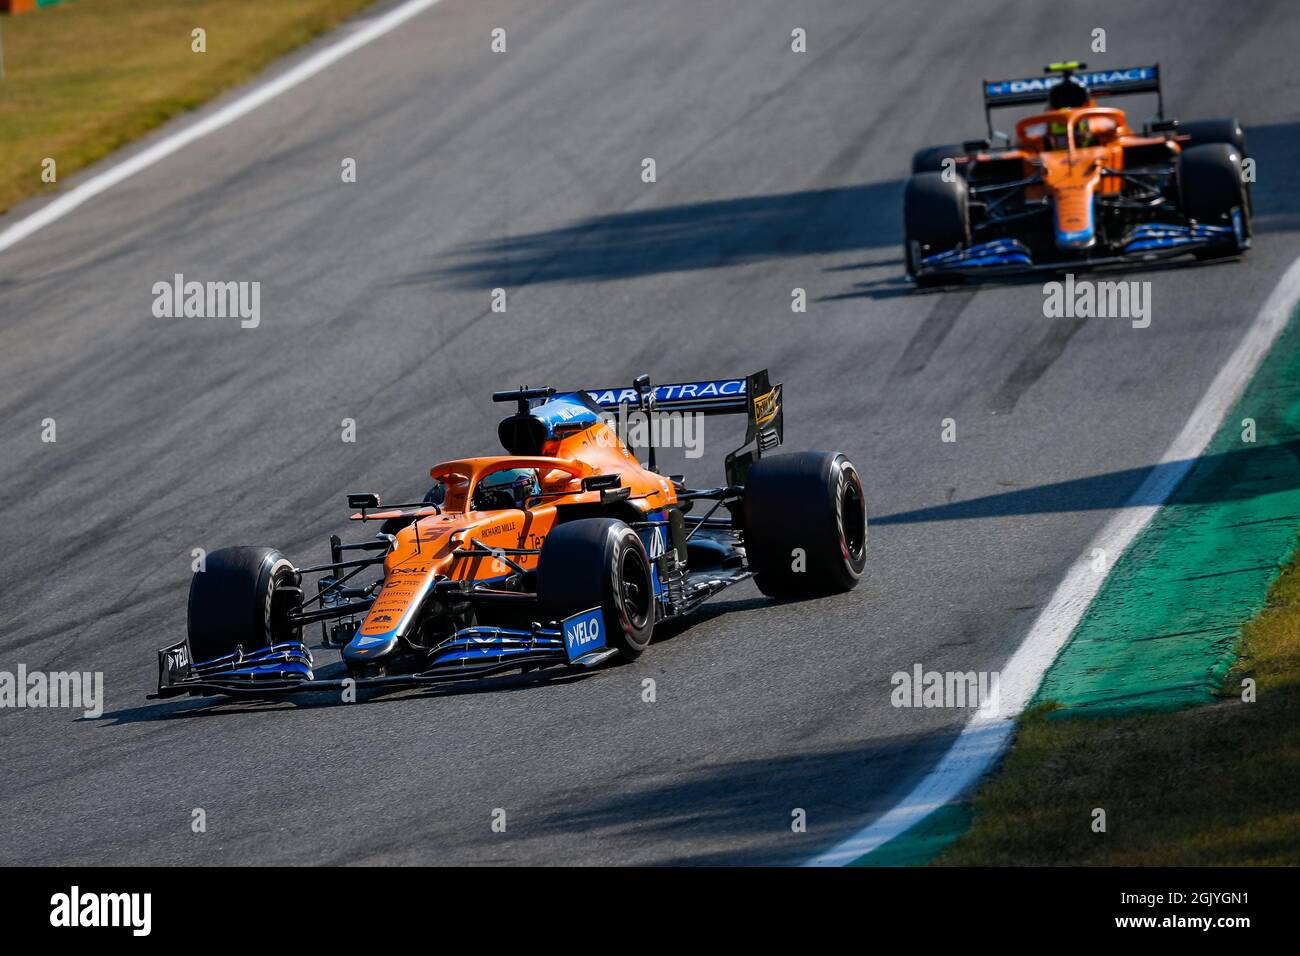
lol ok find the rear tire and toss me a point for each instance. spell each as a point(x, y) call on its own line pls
point(1202, 132)
point(936, 216)
point(600, 562)
point(810, 502)
point(930, 159)
point(232, 602)
point(1211, 191)
point(1226, 130)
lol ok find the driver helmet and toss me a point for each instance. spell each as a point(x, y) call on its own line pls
point(1067, 94)
point(1058, 135)
point(1083, 133)
point(508, 488)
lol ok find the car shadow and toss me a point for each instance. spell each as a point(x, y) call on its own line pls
point(1234, 475)
point(1276, 191)
point(675, 627)
point(704, 235)
point(740, 812)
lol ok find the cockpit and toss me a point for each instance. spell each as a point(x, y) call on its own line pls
point(1070, 129)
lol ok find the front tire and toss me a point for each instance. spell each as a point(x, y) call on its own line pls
point(233, 602)
point(805, 521)
point(936, 217)
point(600, 562)
point(1211, 191)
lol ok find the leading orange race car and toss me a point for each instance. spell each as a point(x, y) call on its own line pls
point(565, 551)
point(1076, 186)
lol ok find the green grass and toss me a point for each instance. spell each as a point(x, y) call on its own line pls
point(86, 76)
point(1212, 785)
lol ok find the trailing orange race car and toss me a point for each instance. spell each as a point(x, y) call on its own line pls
point(564, 551)
point(1076, 186)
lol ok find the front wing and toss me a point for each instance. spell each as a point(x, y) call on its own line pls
point(468, 654)
point(287, 667)
point(1144, 243)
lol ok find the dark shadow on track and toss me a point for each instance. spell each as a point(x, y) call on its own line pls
point(1276, 192)
point(706, 235)
point(675, 627)
point(746, 805)
point(1233, 475)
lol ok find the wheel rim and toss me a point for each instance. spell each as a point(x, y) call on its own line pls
point(853, 523)
point(633, 574)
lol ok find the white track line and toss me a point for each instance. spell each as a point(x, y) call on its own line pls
point(257, 96)
point(984, 739)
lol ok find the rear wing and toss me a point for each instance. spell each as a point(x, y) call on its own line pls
point(753, 396)
point(1035, 89)
point(727, 396)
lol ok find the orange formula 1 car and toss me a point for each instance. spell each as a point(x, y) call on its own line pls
point(564, 551)
point(1076, 186)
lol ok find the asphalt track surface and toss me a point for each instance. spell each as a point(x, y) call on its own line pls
point(776, 170)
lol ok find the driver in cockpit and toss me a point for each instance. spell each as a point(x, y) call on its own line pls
point(508, 488)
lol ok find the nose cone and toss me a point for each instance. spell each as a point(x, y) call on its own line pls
point(1075, 229)
point(1076, 240)
point(1074, 226)
point(369, 647)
